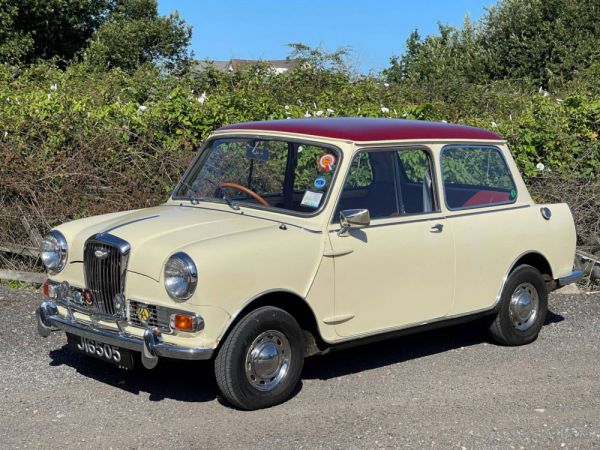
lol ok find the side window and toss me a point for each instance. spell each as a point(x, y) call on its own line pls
point(416, 181)
point(361, 173)
point(476, 176)
point(389, 183)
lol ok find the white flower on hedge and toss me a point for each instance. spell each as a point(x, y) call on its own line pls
point(319, 113)
point(202, 98)
point(307, 114)
point(330, 111)
point(286, 107)
point(5, 134)
point(386, 84)
point(494, 124)
point(53, 87)
point(142, 108)
point(540, 166)
point(385, 110)
point(444, 121)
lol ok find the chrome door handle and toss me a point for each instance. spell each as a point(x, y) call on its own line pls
point(438, 227)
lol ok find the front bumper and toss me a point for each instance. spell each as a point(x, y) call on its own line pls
point(150, 346)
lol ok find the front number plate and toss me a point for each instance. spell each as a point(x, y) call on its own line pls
point(110, 353)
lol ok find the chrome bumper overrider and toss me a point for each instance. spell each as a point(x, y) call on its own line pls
point(571, 278)
point(151, 346)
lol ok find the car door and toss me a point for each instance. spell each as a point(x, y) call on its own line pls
point(399, 270)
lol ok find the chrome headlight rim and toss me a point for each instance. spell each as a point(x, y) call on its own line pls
point(57, 239)
point(190, 273)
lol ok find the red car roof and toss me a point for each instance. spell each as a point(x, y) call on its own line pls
point(369, 129)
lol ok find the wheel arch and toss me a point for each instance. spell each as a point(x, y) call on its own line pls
point(534, 259)
point(293, 304)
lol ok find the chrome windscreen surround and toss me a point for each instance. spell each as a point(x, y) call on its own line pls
point(105, 266)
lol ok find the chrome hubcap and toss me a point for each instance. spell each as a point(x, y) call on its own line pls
point(268, 360)
point(524, 306)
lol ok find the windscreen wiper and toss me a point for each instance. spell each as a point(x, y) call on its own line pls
point(192, 196)
point(232, 203)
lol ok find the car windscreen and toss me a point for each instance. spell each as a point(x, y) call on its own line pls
point(287, 175)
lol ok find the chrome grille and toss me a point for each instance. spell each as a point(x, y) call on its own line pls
point(158, 316)
point(105, 275)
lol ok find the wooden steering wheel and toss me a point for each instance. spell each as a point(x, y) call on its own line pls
point(250, 192)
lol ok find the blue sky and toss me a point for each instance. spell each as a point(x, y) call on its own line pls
point(260, 29)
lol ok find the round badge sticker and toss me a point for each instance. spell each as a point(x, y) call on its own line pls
point(320, 183)
point(327, 162)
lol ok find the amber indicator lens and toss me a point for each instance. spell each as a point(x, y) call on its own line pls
point(183, 322)
point(46, 289)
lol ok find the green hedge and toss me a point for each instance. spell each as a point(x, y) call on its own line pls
point(78, 142)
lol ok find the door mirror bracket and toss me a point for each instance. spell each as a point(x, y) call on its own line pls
point(352, 219)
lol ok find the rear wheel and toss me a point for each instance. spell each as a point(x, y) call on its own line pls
point(523, 308)
point(261, 360)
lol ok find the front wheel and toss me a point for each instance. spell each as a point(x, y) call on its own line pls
point(522, 309)
point(261, 360)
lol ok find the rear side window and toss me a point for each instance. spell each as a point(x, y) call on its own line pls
point(476, 176)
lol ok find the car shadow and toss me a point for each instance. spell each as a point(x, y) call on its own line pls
point(187, 381)
point(401, 349)
point(194, 381)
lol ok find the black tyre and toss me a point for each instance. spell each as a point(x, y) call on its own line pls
point(522, 309)
point(261, 360)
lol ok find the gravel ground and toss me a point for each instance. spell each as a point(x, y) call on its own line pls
point(442, 389)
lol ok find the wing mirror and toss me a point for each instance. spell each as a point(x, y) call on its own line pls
point(353, 218)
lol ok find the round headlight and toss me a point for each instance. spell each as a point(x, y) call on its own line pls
point(53, 252)
point(181, 276)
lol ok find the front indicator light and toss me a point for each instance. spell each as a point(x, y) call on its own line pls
point(186, 322)
point(48, 289)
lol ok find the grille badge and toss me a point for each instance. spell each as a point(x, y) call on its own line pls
point(101, 253)
point(143, 314)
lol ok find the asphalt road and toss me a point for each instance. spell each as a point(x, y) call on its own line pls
point(442, 389)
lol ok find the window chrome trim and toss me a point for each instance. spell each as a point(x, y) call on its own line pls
point(209, 141)
point(388, 148)
point(493, 147)
point(451, 216)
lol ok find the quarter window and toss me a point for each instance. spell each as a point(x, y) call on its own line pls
point(476, 176)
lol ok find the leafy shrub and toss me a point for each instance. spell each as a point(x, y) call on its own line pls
point(79, 142)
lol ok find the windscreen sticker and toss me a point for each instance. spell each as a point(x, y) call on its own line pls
point(320, 183)
point(312, 199)
point(513, 194)
point(327, 162)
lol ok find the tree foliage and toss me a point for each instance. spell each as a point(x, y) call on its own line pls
point(76, 142)
point(135, 34)
point(545, 42)
point(31, 30)
point(111, 33)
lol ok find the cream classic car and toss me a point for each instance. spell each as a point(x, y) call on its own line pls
point(290, 238)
